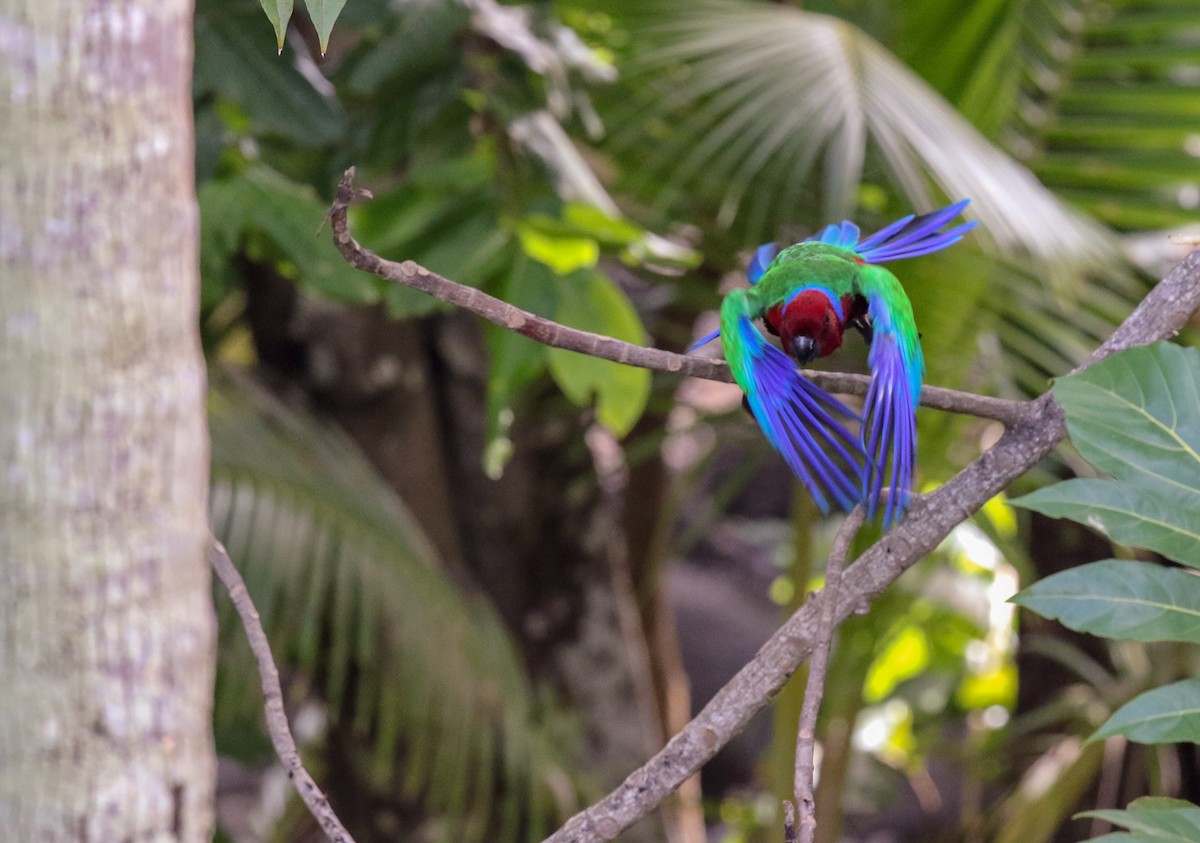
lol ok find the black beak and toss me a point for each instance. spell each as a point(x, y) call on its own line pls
point(804, 349)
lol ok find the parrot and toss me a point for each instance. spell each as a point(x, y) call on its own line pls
point(807, 295)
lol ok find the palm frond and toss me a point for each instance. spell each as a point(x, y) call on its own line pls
point(354, 600)
point(1110, 108)
point(754, 101)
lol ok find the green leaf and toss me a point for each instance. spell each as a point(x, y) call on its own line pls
point(279, 12)
point(1118, 599)
point(1170, 714)
point(1136, 415)
point(1129, 514)
point(324, 13)
point(1178, 822)
point(562, 254)
point(590, 301)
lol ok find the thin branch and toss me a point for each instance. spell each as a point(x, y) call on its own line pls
point(277, 724)
point(790, 835)
point(1160, 316)
point(549, 332)
point(814, 689)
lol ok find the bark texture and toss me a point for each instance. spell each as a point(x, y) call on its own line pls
point(106, 623)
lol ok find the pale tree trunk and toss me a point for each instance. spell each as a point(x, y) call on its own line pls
point(106, 624)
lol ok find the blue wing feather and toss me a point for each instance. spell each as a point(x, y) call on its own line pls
point(707, 338)
point(890, 431)
point(804, 423)
point(763, 256)
point(908, 237)
point(917, 236)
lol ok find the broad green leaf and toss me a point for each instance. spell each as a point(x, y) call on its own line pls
point(324, 13)
point(591, 302)
point(562, 254)
point(589, 219)
point(1178, 823)
point(1118, 599)
point(1136, 415)
point(1170, 714)
point(279, 12)
point(905, 656)
point(1129, 514)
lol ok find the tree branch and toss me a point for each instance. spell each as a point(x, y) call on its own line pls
point(1160, 316)
point(814, 688)
point(277, 724)
point(549, 332)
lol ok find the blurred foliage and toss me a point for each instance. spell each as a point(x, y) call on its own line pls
point(359, 607)
point(576, 159)
point(1135, 416)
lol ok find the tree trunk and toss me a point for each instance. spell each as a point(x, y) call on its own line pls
point(106, 622)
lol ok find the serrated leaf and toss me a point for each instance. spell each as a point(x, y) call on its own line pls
point(1164, 715)
point(1129, 514)
point(1118, 599)
point(324, 13)
point(279, 12)
point(590, 301)
point(1136, 415)
point(1163, 825)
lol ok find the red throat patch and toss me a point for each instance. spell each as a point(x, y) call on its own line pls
point(810, 314)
